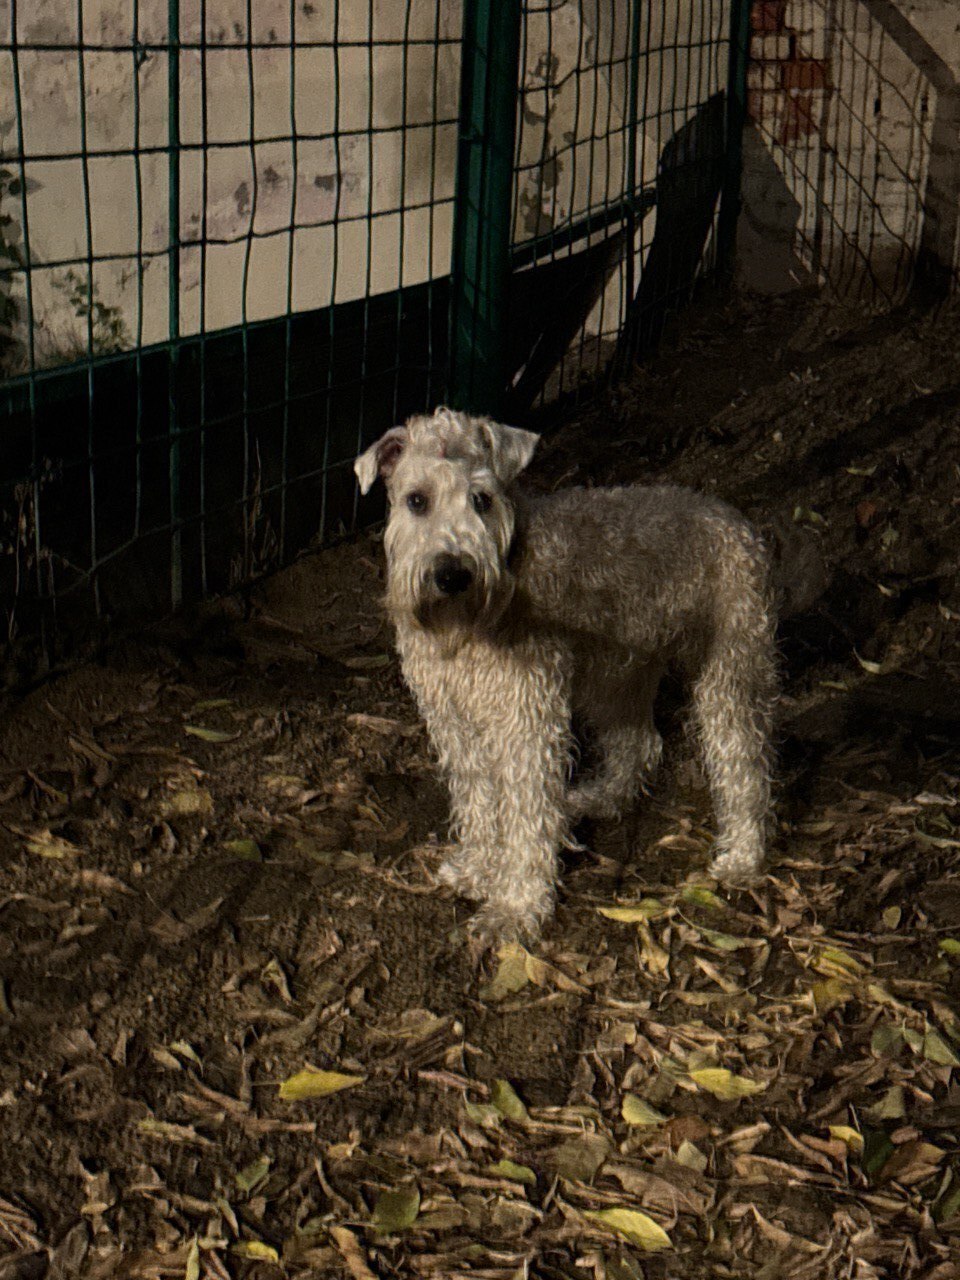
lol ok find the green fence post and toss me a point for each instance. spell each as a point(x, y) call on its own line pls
point(173, 296)
point(736, 119)
point(483, 205)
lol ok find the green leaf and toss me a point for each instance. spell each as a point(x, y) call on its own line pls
point(947, 1205)
point(506, 1100)
point(253, 1174)
point(877, 1150)
point(316, 1084)
point(725, 941)
point(396, 1210)
point(515, 1172)
point(633, 1226)
point(702, 897)
point(579, 1159)
point(892, 1106)
point(950, 946)
point(936, 1049)
point(482, 1113)
point(886, 1041)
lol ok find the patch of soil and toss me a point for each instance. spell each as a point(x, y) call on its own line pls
point(217, 849)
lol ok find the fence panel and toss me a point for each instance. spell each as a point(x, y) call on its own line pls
point(861, 115)
point(226, 240)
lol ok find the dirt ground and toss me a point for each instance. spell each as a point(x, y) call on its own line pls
point(240, 1032)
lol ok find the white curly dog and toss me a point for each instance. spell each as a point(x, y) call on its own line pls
point(512, 613)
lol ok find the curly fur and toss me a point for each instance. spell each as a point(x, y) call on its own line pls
point(577, 602)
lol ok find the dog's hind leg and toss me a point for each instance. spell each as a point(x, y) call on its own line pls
point(618, 705)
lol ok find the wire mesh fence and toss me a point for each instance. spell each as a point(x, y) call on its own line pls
point(861, 114)
point(228, 244)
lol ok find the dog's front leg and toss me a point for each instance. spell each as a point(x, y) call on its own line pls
point(526, 727)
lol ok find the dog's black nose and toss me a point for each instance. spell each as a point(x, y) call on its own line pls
point(451, 576)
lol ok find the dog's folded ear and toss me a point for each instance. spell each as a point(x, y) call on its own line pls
point(511, 449)
point(381, 458)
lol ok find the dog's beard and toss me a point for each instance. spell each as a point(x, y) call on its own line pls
point(476, 611)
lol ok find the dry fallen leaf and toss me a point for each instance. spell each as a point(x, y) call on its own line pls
point(46, 845)
point(316, 1084)
point(635, 1111)
point(724, 1084)
point(633, 1226)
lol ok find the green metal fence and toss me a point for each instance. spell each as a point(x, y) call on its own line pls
point(238, 240)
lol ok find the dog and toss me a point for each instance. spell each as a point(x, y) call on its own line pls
point(515, 613)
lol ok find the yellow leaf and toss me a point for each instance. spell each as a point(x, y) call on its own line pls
point(645, 909)
point(872, 668)
point(255, 1249)
point(724, 1084)
point(633, 1226)
point(950, 946)
point(317, 1084)
point(209, 735)
point(189, 802)
point(829, 994)
point(46, 845)
point(192, 1270)
point(186, 1050)
point(690, 1156)
point(652, 956)
point(844, 1133)
point(511, 975)
point(245, 849)
point(837, 964)
point(892, 917)
point(635, 1111)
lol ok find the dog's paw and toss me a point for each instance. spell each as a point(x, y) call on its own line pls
point(461, 872)
point(735, 867)
point(498, 922)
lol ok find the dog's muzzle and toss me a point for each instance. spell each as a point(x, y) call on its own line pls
point(451, 576)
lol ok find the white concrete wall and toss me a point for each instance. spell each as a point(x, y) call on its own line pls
point(342, 192)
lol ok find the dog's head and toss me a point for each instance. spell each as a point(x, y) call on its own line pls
point(452, 521)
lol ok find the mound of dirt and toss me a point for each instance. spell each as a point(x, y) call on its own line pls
point(240, 1030)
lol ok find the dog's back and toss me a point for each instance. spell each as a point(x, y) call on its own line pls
point(645, 564)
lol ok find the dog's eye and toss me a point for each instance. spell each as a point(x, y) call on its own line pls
point(482, 502)
point(417, 502)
